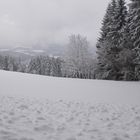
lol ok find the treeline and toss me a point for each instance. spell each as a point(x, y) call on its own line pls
point(76, 63)
point(45, 65)
point(11, 64)
point(42, 65)
point(119, 43)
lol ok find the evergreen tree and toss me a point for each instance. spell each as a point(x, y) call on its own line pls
point(56, 67)
point(134, 27)
point(118, 23)
point(102, 50)
point(45, 65)
point(105, 25)
point(109, 44)
point(127, 53)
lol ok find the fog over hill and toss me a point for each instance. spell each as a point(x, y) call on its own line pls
point(31, 21)
point(52, 50)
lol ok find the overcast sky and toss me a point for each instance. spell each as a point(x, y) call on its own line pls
point(52, 21)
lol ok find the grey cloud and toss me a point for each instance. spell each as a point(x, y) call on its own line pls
point(52, 21)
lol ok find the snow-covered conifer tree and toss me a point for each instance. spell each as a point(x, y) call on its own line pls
point(134, 27)
point(109, 45)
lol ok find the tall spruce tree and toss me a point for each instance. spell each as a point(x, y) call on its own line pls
point(109, 43)
point(105, 25)
point(107, 22)
point(134, 27)
point(127, 53)
point(118, 23)
point(102, 43)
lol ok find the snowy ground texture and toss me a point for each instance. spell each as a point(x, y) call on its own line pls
point(24, 119)
point(45, 108)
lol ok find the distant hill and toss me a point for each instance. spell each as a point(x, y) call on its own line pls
point(28, 52)
point(25, 53)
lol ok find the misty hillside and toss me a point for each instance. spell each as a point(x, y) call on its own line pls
point(28, 52)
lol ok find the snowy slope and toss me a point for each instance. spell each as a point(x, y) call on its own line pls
point(13, 83)
point(27, 111)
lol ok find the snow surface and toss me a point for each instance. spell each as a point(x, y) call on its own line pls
point(21, 84)
point(47, 108)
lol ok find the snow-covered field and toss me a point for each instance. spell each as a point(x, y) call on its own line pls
point(47, 108)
